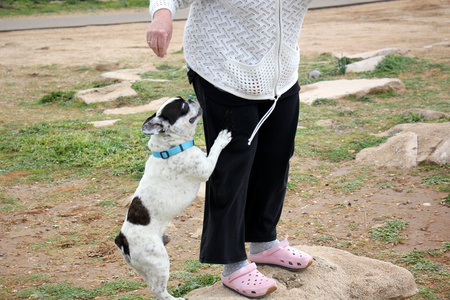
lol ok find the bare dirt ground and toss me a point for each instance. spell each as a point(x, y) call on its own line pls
point(83, 251)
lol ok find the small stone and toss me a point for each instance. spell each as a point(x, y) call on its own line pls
point(314, 74)
point(197, 234)
point(364, 65)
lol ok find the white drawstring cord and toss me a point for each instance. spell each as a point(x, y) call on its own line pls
point(263, 119)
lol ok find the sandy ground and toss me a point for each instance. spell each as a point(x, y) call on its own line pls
point(420, 28)
point(404, 24)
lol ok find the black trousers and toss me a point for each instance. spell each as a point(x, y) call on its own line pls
point(245, 193)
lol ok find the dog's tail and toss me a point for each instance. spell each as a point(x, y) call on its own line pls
point(122, 243)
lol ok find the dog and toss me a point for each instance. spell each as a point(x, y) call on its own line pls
point(170, 183)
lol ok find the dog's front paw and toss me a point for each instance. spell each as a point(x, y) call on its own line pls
point(223, 138)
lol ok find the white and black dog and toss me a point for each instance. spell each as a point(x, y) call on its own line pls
point(170, 183)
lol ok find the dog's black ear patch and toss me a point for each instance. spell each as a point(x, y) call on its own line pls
point(138, 213)
point(122, 242)
point(174, 110)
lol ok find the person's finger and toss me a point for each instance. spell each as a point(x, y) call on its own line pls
point(159, 43)
point(163, 45)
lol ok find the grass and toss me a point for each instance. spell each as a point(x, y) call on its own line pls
point(348, 151)
point(30, 7)
point(446, 201)
point(436, 179)
point(57, 97)
point(65, 290)
point(70, 144)
point(431, 277)
point(390, 232)
point(413, 118)
point(439, 180)
point(323, 238)
point(394, 65)
point(193, 282)
point(9, 204)
point(324, 101)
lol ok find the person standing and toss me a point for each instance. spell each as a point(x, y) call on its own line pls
point(243, 59)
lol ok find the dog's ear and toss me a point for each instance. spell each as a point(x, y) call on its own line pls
point(153, 125)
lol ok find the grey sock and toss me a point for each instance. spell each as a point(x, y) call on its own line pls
point(233, 267)
point(256, 248)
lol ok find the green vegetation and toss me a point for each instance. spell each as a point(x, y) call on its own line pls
point(57, 97)
point(348, 151)
point(440, 180)
point(446, 200)
point(190, 280)
point(31, 7)
point(324, 101)
point(393, 65)
point(431, 277)
point(389, 232)
point(8, 204)
point(323, 238)
point(413, 118)
point(342, 63)
point(193, 282)
point(65, 290)
point(436, 179)
point(49, 146)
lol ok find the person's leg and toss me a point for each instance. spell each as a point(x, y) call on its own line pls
point(267, 188)
point(269, 176)
point(223, 237)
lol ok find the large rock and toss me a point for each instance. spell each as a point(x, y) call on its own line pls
point(335, 274)
point(364, 65)
point(129, 75)
point(337, 89)
point(411, 145)
point(107, 93)
point(122, 75)
point(398, 151)
point(151, 106)
point(369, 54)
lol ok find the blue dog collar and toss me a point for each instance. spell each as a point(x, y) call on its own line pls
point(174, 150)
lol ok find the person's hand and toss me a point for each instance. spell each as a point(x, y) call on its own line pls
point(159, 33)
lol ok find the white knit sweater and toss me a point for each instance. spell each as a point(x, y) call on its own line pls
point(248, 48)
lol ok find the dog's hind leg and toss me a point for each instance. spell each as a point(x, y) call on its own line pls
point(159, 287)
point(151, 261)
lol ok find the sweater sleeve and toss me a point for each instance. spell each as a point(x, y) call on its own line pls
point(172, 5)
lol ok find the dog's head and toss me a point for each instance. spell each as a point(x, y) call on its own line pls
point(176, 116)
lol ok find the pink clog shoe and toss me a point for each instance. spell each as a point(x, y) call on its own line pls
point(249, 282)
point(284, 256)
